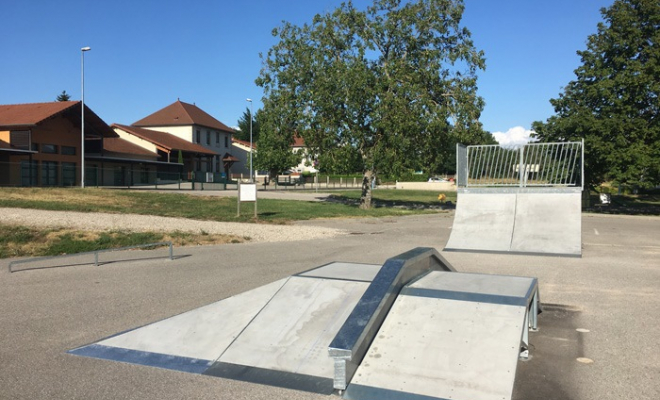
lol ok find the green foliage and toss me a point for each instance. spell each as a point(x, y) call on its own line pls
point(64, 96)
point(614, 102)
point(244, 125)
point(274, 146)
point(385, 90)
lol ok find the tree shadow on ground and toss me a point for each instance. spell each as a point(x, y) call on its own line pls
point(402, 204)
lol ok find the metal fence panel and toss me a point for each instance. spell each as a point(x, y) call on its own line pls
point(531, 165)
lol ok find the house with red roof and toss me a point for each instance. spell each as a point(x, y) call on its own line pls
point(192, 125)
point(40, 145)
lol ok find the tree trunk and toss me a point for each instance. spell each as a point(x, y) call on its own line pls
point(365, 198)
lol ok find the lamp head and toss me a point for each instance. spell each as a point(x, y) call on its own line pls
point(86, 49)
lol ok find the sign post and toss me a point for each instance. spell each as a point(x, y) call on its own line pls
point(247, 192)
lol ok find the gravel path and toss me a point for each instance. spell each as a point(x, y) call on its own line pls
point(134, 222)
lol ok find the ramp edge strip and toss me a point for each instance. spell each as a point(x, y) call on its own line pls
point(362, 392)
point(157, 360)
point(271, 377)
point(517, 253)
point(354, 337)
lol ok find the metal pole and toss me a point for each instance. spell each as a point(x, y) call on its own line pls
point(582, 162)
point(251, 175)
point(82, 115)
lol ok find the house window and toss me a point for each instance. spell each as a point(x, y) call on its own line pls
point(208, 138)
point(217, 139)
point(68, 151)
point(226, 141)
point(198, 136)
point(20, 140)
point(49, 148)
point(29, 172)
point(68, 172)
point(48, 173)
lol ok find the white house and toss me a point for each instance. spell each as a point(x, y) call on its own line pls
point(192, 124)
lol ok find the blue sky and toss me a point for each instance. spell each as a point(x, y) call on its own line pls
point(146, 53)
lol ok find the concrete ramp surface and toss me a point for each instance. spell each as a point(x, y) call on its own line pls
point(448, 336)
point(276, 334)
point(410, 329)
point(525, 220)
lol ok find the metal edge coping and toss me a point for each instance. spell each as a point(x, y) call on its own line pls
point(519, 190)
point(466, 296)
point(363, 392)
point(356, 334)
point(271, 377)
point(517, 253)
point(145, 358)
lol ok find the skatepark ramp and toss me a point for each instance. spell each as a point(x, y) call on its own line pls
point(519, 200)
point(412, 328)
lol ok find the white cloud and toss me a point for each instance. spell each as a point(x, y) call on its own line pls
point(514, 136)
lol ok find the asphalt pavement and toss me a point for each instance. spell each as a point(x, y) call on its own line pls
point(598, 336)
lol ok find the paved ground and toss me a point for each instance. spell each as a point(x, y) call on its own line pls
point(612, 291)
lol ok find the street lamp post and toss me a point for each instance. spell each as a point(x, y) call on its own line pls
point(82, 115)
point(251, 175)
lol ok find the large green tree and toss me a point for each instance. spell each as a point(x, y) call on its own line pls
point(613, 102)
point(394, 84)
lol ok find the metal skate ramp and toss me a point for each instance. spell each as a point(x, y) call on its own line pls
point(523, 199)
point(284, 333)
point(532, 221)
point(276, 334)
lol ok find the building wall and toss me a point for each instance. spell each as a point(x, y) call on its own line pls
point(4, 136)
point(57, 132)
point(303, 167)
point(214, 140)
point(145, 144)
point(119, 174)
point(184, 132)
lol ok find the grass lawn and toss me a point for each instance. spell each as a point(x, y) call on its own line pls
point(21, 241)
point(183, 205)
point(17, 241)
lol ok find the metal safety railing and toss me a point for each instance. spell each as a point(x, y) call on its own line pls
point(95, 253)
point(531, 165)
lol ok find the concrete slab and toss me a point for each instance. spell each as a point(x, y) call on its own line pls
point(292, 333)
point(548, 223)
point(345, 271)
point(448, 336)
point(203, 333)
point(483, 221)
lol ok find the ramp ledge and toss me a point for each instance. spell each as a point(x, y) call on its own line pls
point(353, 339)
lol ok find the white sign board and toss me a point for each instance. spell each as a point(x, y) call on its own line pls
point(247, 192)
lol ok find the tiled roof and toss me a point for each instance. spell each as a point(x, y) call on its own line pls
point(31, 114)
point(244, 143)
point(164, 139)
point(119, 145)
point(298, 141)
point(229, 157)
point(180, 113)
